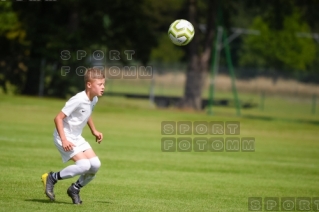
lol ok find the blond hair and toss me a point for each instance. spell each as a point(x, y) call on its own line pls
point(93, 73)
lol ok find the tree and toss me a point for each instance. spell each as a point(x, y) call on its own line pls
point(284, 50)
point(14, 50)
point(199, 54)
point(34, 33)
point(278, 20)
point(51, 27)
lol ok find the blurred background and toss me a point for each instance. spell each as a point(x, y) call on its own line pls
point(243, 52)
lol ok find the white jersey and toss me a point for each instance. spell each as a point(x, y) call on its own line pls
point(78, 110)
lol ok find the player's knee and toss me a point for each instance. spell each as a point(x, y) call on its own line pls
point(84, 165)
point(95, 164)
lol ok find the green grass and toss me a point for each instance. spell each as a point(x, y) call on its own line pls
point(135, 174)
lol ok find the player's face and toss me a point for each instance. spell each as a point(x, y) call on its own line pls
point(97, 87)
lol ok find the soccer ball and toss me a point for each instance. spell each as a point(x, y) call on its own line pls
point(181, 32)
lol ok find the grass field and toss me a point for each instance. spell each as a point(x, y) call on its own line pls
point(137, 176)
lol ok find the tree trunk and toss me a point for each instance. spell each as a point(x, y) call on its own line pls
point(193, 89)
point(198, 66)
point(36, 52)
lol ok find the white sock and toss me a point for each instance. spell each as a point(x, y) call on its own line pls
point(80, 167)
point(90, 174)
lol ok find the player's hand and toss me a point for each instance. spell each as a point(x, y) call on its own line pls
point(67, 145)
point(98, 136)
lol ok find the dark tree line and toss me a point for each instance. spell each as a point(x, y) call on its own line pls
point(33, 34)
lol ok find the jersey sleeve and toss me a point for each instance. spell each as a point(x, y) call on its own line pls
point(71, 105)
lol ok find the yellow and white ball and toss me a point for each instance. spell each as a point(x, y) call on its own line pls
point(181, 32)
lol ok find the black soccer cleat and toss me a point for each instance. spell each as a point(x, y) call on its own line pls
point(48, 184)
point(74, 194)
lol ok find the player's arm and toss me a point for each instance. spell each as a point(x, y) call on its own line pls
point(98, 135)
point(58, 120)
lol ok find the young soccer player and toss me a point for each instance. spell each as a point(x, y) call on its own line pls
point(69, 123)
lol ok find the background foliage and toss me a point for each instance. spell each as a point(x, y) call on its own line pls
point(33, 34)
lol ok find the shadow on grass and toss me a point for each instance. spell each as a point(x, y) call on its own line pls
point(47, 201)
point(268, 118)
point(309, 122)
point(106, 202)
point(265, 118)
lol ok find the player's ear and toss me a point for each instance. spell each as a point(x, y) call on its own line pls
point(88, 84)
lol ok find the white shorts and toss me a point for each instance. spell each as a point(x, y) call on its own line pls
point(80, 146)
